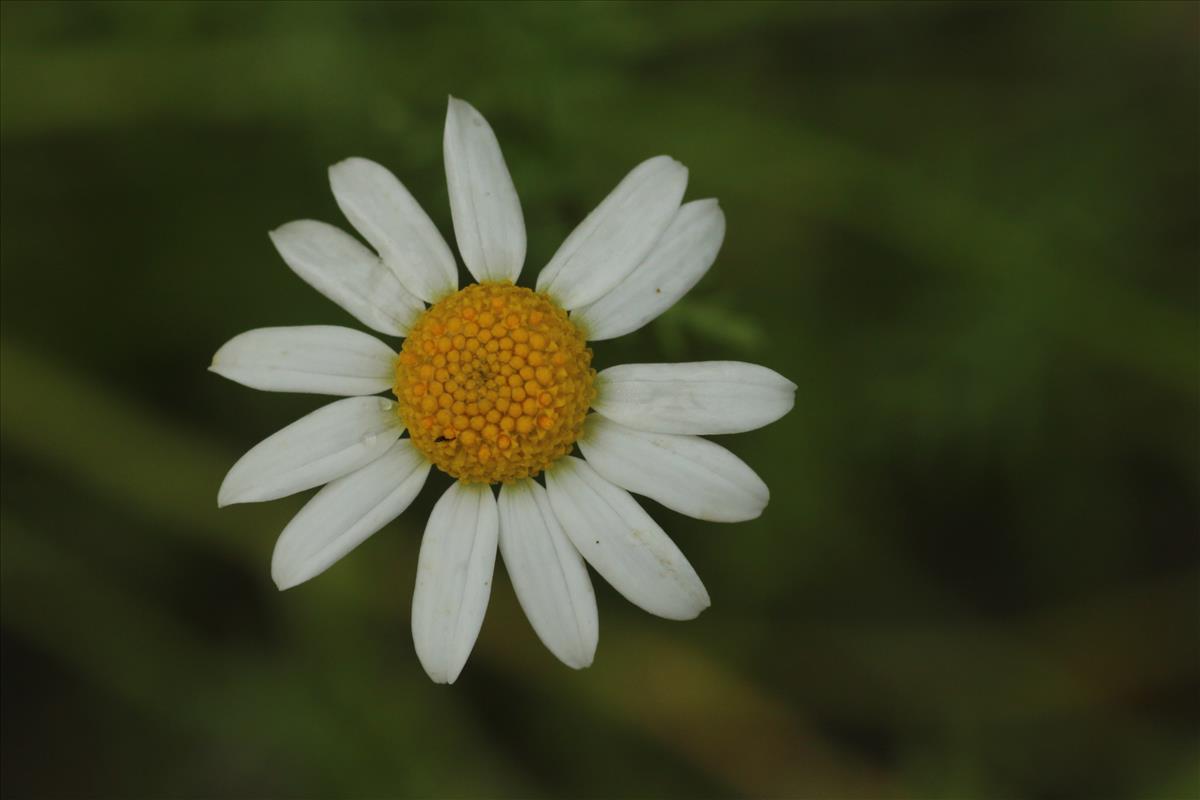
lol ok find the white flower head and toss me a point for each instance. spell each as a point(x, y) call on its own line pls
point(493, 385)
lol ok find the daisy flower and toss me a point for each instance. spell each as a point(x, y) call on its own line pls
point(493, 386)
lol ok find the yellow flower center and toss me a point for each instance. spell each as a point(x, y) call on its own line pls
point(493, 383)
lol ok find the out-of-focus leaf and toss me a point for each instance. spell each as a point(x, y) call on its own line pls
point(708, 322)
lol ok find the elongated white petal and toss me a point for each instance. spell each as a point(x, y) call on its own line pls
point(623, 543)
point(320, 359)
point(677, 262)
point(700, 397)
point(454, 578)
point(388, 217)
point(483, 201)
point(346, 512)
point(548, 574)
point(330, 442)
point(338, 266)
point(685, 473)
point(617, 235)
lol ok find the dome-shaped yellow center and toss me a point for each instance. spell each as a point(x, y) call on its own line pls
point(493, 383)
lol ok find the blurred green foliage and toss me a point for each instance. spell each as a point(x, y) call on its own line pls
point(969, 232)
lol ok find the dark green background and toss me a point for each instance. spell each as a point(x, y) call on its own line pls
point(968, 232)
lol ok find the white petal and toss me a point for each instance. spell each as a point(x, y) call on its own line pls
point(388, 217)
point(677, 262)
point(320, 359)
point(483, 201)
point(330, 442)
point(617, 235)
point(548, 574)
point(454, 578)
point(338, 266)
point(345, 512)
point(701, 397)
point(619, 539)
point(685, 473)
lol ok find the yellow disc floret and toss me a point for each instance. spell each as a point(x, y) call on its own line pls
point(493, 383)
